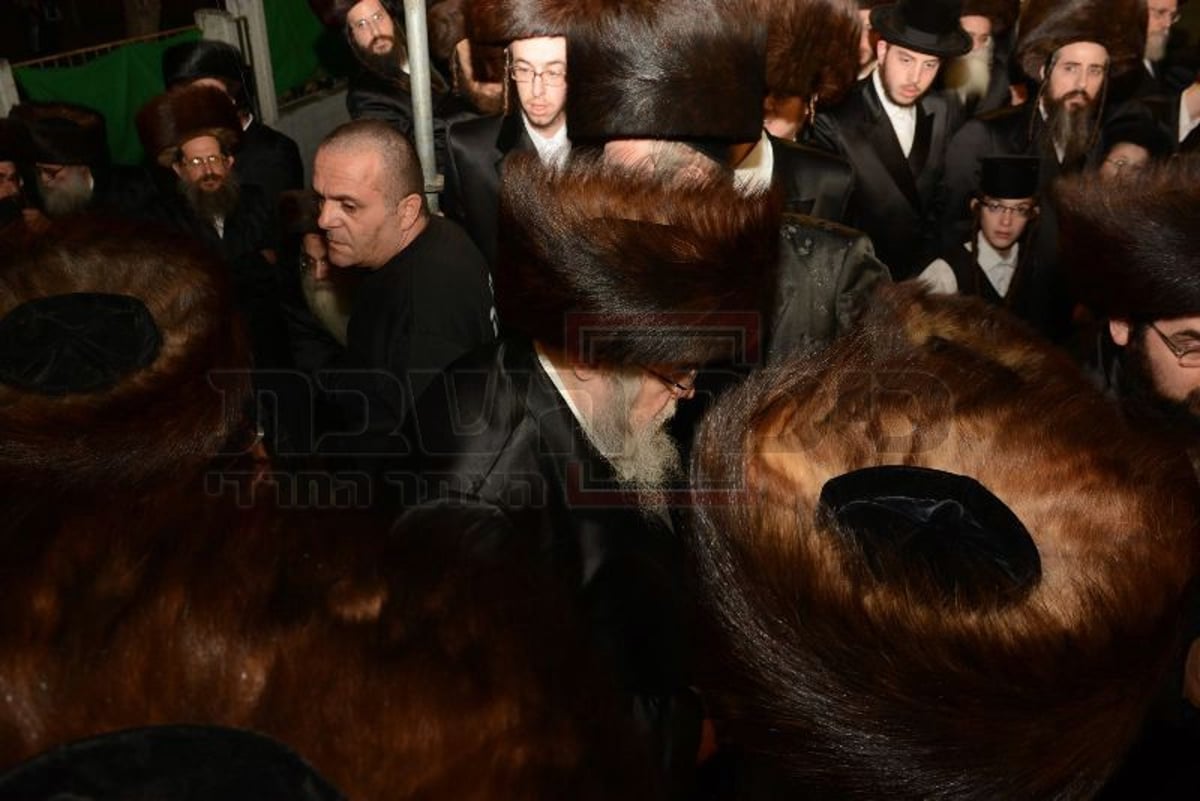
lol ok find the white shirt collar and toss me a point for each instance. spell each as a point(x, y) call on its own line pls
point(550, 151)
point(903, 118)
point(1186, 123)
point(552, 372)
point(998, 266)
point(755, 172)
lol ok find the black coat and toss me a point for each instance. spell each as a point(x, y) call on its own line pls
point(894, 196)
point(495, 429)
point(269, 160)
point(814, 182)
point(475, 152)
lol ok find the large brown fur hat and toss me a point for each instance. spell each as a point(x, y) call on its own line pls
point(622, 268)
point(165, 418)
point(1002, 13)
point(1132, 250)
point(666, 69)
point(64, 133)
point(170, 119)
point(1047, 25)
point(846, 663)
point(332, 13)
point(812, 47)
point(498, 22)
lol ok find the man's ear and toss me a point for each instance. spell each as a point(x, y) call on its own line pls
point(974, 205)
point(584, 372)
point(1119, 331)
point(410, 209)
point(881, 48)
point(229, 164)
point(177, 166)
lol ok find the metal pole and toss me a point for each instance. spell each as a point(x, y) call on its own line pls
point(422, 97)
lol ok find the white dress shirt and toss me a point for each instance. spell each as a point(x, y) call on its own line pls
point(1186, 123)
point(903, 118)
point(997, 265)
point(754, 173)
point(552, 151)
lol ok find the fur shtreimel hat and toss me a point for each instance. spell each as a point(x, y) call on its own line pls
point(620, 268)
point(1130, 250)
point(1002, 13)
point(1047, 25)
point(922, 556)
point(498, 22)
point(666, 69)
point(812, 47)
point(926, 26)
point(332, 13)
point(169, 120)
point(64, 133)
point(116, 333)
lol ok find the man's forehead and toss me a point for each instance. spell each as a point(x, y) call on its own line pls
point(7, 166)
point(346, 171)
point(363, 9)
point(913, 54)
point(1083, 52)
point(540, 50)
point(201, 146)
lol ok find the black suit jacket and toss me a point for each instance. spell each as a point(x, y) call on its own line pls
point(814, 182)
point(475, 152)
point(494, 429)
point(894, 195)
point(269, 160)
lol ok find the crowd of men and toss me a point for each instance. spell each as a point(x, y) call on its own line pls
point(791, 398)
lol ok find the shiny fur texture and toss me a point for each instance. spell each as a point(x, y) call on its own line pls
point(172, 118)
point(1047, 25)
point(857, 687)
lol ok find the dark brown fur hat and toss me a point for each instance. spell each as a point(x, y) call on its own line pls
point(622, 268)
point(498, 22)
point(1002, 13)
point(1047, 25)
point(857, 684)
point(332, 13)
point(166, 419)
point(170, 119)
point(812, 47)
point(64, 133)
point(666, 69)
point(1132, 250)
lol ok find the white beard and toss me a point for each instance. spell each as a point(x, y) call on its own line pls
point(970, 75)
point(330, 303)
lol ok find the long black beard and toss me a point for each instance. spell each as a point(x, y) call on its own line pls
point(209, 206)
point(1072, 129)
point(1141, 401)
point(385, 65)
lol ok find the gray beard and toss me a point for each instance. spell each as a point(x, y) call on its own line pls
point(1156, 49)
point(209, 206)
point(970, 75)
point(1072, 130)
point(645, 460)
point(68, 197)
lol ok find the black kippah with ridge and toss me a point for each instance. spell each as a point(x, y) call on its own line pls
point(74, 343)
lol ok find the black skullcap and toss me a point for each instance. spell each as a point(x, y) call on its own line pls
point(970, 543)
point(75, 343)
point(1009, 177)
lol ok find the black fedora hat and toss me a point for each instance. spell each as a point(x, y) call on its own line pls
point(926, 26)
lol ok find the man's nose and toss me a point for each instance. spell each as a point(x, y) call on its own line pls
point(326, 217)
point(538, 84)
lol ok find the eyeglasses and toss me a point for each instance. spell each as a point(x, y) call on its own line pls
point(370, 21)
point(995, 207)
point(678, 390)
point(1121, 164)
point(196, 162)
point(523, 74)
point(48, 173)
point(1188, 356)
point(1165, 15)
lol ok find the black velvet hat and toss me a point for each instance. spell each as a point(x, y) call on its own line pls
point(197, 763)
point(207, 58)
point(1009, 177)
point(926, 26)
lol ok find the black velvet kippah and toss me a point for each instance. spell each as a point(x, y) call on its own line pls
point(179, 763)
point(74, 343)
point(945, 526)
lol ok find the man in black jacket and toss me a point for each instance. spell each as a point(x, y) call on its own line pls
point(476, 149)
point(266, 157)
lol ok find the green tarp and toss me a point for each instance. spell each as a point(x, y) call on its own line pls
point(118, 83)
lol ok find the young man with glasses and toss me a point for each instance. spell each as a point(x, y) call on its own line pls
point(988, 263)
point(476, 149)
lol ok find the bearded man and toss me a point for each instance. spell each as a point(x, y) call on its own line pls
point(628, 285)
point(1070, 50)
point(978, 81)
